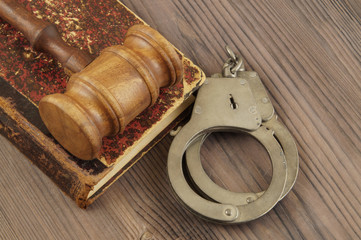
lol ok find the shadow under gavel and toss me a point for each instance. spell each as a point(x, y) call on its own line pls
point(105, 94)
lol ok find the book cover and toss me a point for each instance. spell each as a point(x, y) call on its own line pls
point(26, 76)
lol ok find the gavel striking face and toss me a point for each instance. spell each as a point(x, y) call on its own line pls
point(111, 91)
point(105, 94)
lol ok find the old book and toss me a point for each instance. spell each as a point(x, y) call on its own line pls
point(26, 76)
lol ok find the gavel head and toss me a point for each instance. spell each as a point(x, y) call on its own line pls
point(111, 91)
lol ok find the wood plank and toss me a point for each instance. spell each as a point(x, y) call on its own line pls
point(308, 54)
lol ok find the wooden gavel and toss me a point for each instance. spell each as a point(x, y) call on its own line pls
point(103, 95)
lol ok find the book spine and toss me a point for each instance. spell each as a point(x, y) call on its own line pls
point(44, 153)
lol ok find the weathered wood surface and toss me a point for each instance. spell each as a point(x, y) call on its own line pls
point(308, 54)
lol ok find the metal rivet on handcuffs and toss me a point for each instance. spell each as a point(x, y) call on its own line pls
point(234, 101)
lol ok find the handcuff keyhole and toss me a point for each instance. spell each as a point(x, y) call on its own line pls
point(234, 105)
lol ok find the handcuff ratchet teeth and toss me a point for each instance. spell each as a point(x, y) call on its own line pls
point(235, 101)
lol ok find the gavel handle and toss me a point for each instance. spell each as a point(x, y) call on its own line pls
point(43, 35)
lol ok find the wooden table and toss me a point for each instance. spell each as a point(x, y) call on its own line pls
point(308, 54)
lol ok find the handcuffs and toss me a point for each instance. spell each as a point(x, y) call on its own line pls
point(234, 101)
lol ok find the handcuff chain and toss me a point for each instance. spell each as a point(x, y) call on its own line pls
point(233, 65)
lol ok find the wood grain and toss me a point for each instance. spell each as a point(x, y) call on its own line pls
point(43, 36)
point(111, 91)
point(308, 54)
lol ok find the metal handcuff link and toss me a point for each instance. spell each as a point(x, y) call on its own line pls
point(234, 101)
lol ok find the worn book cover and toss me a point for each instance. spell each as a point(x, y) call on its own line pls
point(26, 76)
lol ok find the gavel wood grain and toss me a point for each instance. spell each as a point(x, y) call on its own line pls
point(43, 36)
point(106, 94)
point(118, 85)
